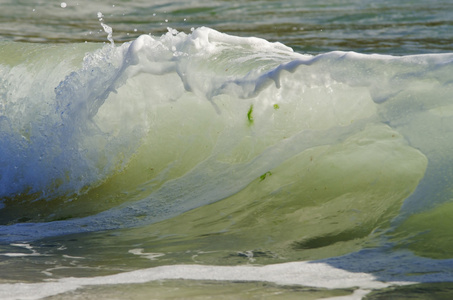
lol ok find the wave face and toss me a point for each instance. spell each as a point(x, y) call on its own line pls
point(207, 136)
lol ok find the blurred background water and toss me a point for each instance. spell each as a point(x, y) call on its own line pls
point(308, 26)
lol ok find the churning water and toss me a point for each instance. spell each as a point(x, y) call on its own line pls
point(225, 149)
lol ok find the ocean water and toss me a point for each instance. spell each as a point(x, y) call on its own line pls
point(226, 149)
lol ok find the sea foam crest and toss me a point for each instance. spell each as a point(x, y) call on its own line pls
point(195, 118)
point(49, 109)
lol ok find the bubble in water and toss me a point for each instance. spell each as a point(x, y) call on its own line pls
point(63, 4)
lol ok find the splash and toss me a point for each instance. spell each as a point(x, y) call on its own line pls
point(107, 29)
point(157, 127)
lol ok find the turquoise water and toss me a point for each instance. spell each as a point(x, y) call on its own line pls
point(212, 149)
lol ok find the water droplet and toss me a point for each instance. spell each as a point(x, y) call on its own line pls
point(109, 32)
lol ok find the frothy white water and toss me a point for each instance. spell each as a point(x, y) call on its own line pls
point(167, 125)
point(312, 274)
point(249, 103)
point(51, 115)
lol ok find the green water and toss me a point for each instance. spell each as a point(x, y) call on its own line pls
point(222, 151)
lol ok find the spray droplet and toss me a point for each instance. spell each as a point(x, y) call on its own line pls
point(109, 32)
point(63, 4)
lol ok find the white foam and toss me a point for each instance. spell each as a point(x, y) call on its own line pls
point(28, 247)
point(319, 275)
point(150, 256)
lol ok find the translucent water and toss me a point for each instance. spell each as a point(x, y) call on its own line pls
point(259, 149)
